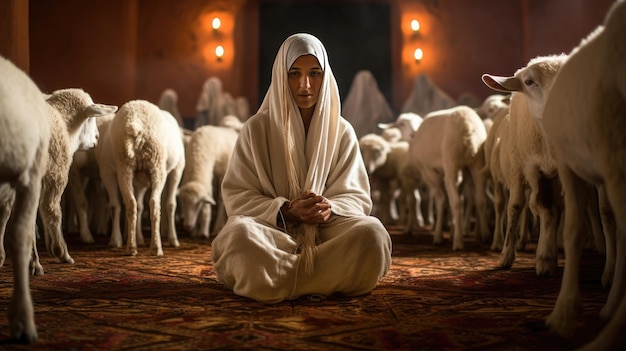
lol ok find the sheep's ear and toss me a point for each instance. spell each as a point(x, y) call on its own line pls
point(207, 200)
point(97, 110)
point(502, 84)
point(386, 125)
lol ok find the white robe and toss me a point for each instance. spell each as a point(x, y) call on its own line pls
point(255, 257)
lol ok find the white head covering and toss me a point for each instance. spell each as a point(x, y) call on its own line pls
point(308, 163)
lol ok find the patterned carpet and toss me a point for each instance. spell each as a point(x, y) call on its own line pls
point(432, 299)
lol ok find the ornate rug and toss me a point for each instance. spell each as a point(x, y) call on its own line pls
point(431, 299)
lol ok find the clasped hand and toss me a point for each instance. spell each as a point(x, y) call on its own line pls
point(309, 208)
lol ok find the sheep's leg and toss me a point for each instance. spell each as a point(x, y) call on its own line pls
point(468, 206)
point(51, 213)
point(35, 264)
point(412, 199)
point(77, 190)
point(173, 179)
point(385, 204)
point(20, 230)
point(5, 212)
point(413, 217)
point(158, 182)
point(140, 192)
point(452, 180)
point(615, 191)
point(563, 316)
point(480, 201)
point(204, 221)
point(125, 182)
point(595, 223)
point(608, 227)
point(498, 204)
point(517, 199)
point(548, 208)
point(109, 181)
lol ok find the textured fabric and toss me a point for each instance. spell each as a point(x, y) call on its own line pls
point(169, 102)
point(326, 161)
point(426, 97)
point(211, 105)
point(365, 105)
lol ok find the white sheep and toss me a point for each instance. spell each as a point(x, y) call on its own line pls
point(85, 175)
point(391, 134)
point(584, 121)
point(443, 150)
point(207, 157)
point(491, 105)
point(24, 142)
point(148, 151)
point(531, 163)
point(73, 127)
point(407, 122)
point(385, 162)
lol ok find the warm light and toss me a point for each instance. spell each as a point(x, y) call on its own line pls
point(418, 54)
point(216, 24)
point(415, 25)
point(219, 52)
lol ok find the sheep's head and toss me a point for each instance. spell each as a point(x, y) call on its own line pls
point(192, 198)
point(492, 105)
point(77, 109)
point(374, 149)
point(407, 122)
point(534, 81)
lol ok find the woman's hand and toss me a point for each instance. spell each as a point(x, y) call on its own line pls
point(310, 208)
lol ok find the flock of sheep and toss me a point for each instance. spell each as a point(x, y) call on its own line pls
point(64, 140)
point(552, 148)
point(549, 154)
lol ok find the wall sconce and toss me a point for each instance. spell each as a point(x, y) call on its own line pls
point(415, 26)
point(216, 24)
point(219, 52)
point(418, 54)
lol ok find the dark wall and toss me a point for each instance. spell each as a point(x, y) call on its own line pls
point(356, 36)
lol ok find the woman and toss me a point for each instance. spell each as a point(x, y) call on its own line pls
point(297, 193)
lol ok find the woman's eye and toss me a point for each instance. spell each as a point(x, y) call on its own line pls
point(316, 74)
point(292, 74)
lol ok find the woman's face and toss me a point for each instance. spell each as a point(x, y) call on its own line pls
point(305, 79)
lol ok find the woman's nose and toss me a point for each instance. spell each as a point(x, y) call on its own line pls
point(305, 82)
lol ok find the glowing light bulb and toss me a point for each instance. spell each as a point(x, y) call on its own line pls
point(219, 52)
point(216, 24)
point(418, 55)
point(415, 25)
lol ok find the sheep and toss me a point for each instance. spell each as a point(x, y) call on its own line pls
point(443, 149)
point(407, 122)
point(24, 141)
point(85, 172)
point(73, 127)
point(385, 162)
point(71, 115)
point(531, 163)
point(231, 121)
point(497, 160)
point(391, 134)
point(207, 157)
point(148, 151)
point(491, 105)
point(589, 93)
